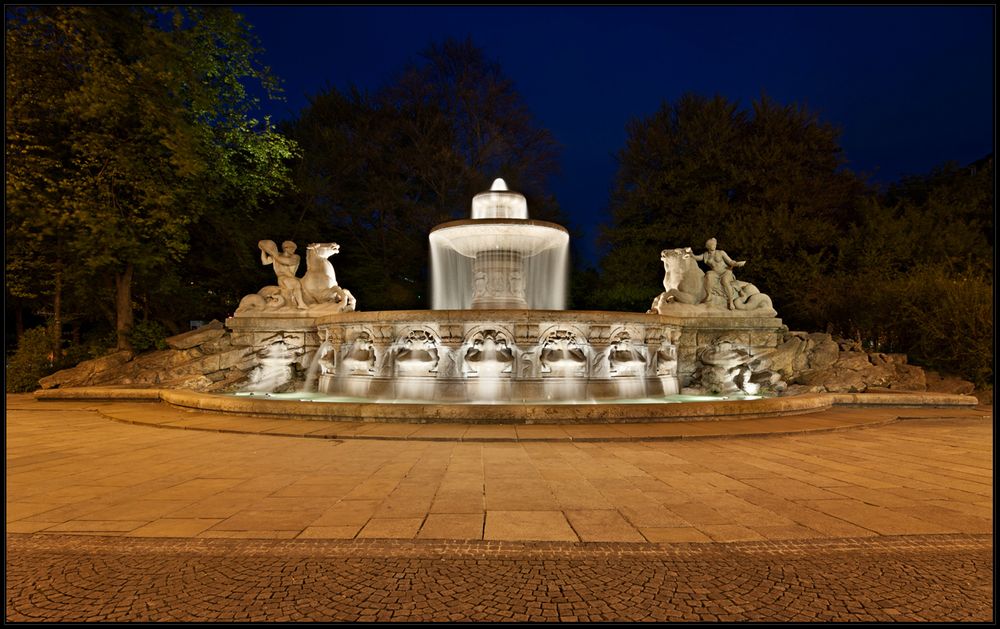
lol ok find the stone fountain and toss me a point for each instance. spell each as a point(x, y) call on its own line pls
point(498, 331)
point(500, 259)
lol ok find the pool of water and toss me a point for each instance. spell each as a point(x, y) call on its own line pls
point(335, 399)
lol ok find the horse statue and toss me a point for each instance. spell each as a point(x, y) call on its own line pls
point(319, 290)
point(684, 283)
point(319, 284)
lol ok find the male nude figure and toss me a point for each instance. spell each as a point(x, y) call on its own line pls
point(720, 269)
point(286, 264)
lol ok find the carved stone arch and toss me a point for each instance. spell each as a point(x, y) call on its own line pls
point(500, 339)
point(416, 350)
point(482, 330)
point(562, 328)
point(564, 345)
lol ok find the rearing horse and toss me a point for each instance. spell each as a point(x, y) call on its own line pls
point(319, 284)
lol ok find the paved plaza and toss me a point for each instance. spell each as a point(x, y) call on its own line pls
point(113, 513)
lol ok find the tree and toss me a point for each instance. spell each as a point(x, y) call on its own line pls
point(768, 183)
point(916, 272)
point(374, 178)
point(380, 170)
point(492, 130)
point(154, 133)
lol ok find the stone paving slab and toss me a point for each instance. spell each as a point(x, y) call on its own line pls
point(71, 470)
point(51, 578)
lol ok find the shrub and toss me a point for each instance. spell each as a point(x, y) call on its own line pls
point(148, 335)
point(941, 319)
point(950, 323)
point(31, 361)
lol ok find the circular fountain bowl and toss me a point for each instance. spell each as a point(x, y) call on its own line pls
point(473, 236)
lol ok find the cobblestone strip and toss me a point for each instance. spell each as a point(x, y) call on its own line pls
point(915, 578)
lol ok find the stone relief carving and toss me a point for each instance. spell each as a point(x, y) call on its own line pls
point(491, 352)
point(361, 358)
point(563, 353)
point(624, 357)
point(417, 353)
point(727, 367)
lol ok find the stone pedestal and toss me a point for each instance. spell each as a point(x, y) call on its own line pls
point(498, 281)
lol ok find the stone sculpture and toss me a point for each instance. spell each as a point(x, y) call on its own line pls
point(720, 272)
point(687, 290)
point(316, 293)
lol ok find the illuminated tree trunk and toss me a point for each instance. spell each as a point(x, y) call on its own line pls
point(123, 307)
point(57, 324)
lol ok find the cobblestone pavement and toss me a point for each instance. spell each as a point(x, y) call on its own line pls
point(916, 578)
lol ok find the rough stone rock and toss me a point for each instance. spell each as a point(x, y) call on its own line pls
point(231, 381)
point(878, 376)
point(195, 383)
point(854, 361)
point(212, 363)
point(850, 345)
point(159, 360)
point(879, 359)
point(67, 377)
point(789, 357)
point(819, 337)
point(208, 332)
point(88, 371)
point(824, 354)
point(908, 378)
point(219, 345)
point(147, 376)
point(800, 389)
point(835, 379)
point(948, 384)
point(181, 357)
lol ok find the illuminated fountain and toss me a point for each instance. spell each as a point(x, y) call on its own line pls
point(500, 259)
point(498, 332)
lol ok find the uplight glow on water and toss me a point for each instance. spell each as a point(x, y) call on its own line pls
point(333, 399)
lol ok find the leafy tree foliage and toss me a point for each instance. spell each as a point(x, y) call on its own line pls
point(916, 272)
point(904, 271)
point(126, 127)
point(493, 133)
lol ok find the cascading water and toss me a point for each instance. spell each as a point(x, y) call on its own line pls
point(275, 368)
point(499, 259)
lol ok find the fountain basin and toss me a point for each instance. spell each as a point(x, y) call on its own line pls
point(720, 409)
point(494, 263)
point(512, 356)
point(526, 237)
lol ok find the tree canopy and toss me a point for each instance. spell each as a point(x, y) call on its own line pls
point(767, 183)
point(126, 127)
point(907, 270)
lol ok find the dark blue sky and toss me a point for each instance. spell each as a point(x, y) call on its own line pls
point(910, 87)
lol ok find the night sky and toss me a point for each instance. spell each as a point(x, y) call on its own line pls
point(909, 87)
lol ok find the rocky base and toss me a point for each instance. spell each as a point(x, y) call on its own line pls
point(212, 359)
point(818, 363)
point(201, 360)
